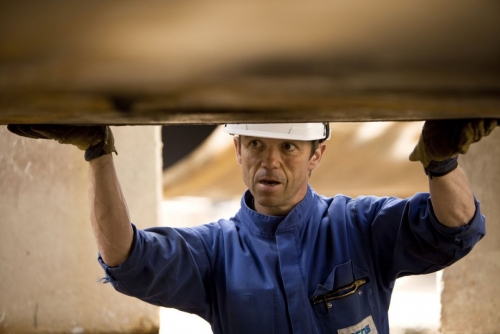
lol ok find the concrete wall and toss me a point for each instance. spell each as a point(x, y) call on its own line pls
point(471, 294)
point(48, 267)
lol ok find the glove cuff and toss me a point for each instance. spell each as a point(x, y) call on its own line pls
point(104, 147)
point(441, 168)
point(96, 151)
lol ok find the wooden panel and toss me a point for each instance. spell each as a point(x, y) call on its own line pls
point(218, 62)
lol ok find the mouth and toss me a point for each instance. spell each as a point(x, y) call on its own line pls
point(269, 182)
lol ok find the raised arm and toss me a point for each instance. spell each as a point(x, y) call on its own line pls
point(108, 212)
point(438, 148)
point(452, 198)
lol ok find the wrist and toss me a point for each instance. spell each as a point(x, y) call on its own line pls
point(441, 168)
point(105, 146)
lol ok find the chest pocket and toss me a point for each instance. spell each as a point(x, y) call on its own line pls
point(344, 299)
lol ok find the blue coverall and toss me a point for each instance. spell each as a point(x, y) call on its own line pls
point(329, 266)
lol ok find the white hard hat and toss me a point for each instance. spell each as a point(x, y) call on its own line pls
point(292, 131)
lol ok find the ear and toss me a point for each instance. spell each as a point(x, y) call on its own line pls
point(237, 146)
point(316, 157)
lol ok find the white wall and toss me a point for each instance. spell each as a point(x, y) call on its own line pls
point(48, 267)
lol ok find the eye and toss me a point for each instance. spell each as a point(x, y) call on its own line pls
point(288, 147)
point(254, 143)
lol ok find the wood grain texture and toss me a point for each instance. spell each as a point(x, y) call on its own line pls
point(218, 62)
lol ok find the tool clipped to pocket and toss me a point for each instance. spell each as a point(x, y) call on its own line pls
point(339, 293)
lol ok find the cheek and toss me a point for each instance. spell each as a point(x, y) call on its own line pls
point(244, 173)
point(248, 160)
point(247, 168)
point(246, 154)
point(298, 171)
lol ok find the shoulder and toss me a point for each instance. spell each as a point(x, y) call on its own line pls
point(348, 202)
point(369, 207)
point(212, 232)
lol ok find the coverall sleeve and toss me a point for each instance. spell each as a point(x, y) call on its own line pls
point(167, 267)
point(407, 238)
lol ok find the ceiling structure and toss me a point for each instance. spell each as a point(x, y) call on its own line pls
point(198, 62)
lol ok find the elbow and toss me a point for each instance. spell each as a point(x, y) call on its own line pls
point(457, 215)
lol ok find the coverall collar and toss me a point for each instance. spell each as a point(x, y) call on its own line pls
point(264, 224)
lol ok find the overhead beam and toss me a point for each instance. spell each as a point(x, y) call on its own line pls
point(124, 63)
point(89, 109)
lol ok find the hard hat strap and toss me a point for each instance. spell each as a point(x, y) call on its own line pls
point(326, 132)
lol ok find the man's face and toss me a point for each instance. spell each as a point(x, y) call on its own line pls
point(276, 171)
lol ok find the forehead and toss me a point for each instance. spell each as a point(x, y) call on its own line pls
point(275, 141)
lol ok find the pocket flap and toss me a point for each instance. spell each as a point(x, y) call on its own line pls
point(341, 275)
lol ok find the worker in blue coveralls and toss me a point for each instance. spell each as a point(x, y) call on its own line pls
point(290, 260)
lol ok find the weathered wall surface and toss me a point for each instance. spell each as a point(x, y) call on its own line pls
point(471, 295)
point(48, 267)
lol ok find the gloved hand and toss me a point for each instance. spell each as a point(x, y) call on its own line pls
point(442, 141)
point(95, 140)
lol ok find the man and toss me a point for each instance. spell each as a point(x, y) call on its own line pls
point(289, 260)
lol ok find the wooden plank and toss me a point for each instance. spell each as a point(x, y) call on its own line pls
point(197, 62)
point(229, 106)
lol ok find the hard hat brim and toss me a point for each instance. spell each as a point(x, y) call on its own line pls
point(291, 131)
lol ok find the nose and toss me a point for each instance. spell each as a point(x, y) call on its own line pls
point(271, 158)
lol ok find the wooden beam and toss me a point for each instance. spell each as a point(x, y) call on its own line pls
point(124, 63)
point(244, 103)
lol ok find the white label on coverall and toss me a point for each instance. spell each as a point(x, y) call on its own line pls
point(364, 327)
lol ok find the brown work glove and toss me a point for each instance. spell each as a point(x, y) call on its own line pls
point(442, 141)
point(95, 140)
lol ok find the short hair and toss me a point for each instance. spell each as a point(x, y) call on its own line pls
point(314, 146)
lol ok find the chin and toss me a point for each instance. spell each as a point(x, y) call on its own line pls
point(265, 201)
